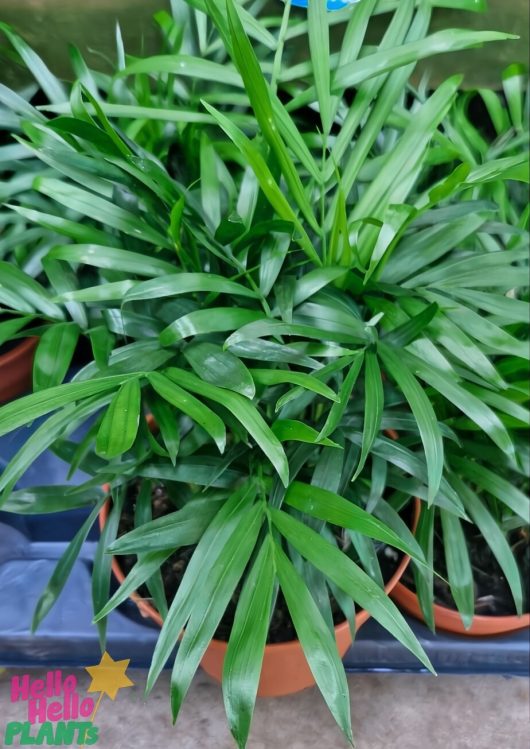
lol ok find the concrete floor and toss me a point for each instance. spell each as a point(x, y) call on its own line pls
point(389, 712)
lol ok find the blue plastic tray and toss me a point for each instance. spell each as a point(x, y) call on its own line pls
point(31, 545)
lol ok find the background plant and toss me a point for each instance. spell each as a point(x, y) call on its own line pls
point(328, 265)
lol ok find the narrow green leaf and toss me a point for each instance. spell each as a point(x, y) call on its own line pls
point(160, 541)
point(54, 354)
point(39, 500)
point(204, 559)
point(164, 114)
point(424, 414)
point(147, 566)
point(111, 258)
point(459, 570)
point(63, 279)
point(373, 407)
point(315, 280)
point(424, 576)
point(495, 539)
point(408, 331)
point(30, 407)
point(99, 209)
point(102, 566)
point(496, 270)
point(423, 248)
point(181, 528)
point(244, 655)
point(350, 578)
point(184, 66)
point(260, 98)
point(334, 509)
point(102, 342)
point(210, 184)
point(143, 513)
point(105, 292)
point(9, 328)
point(268, 351)
point(30, 291)
point(448, 40)
point(457, 343)
point(244, 411)
point(268, 184)
point(14, 103)
point(290, 429)
point(82, 233)
point(59, 425)
point(509, 309)
point(63, 569)
point(167, 422)
point(51, 85)
point(338, 409)
point(317, 18)
point(318, 643)
point(187, 283)
point(211, 320)
point(181, 399)
point(473, 407)
point(209, 607)
point(218, 367)
point(514, 84)
point(119, 427)
point(319, 330)
point(494, 484)
point(281, 376)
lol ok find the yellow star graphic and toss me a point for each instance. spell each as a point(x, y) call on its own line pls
point(108, 677)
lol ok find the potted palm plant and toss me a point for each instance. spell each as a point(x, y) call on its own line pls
point(275, 297)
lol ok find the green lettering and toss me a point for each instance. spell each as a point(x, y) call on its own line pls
point(91, 735)
point(12, 729)
point(45, 734)
point(64, 733)
point(27, 738)
point(82, 728)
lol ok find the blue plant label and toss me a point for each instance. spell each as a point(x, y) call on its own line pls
point(332, 4)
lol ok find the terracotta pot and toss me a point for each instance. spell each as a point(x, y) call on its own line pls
point(448, 620)
point(285, 669)
point(15, 369)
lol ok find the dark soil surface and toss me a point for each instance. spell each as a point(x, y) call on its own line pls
point(281, 626)
point(492, 592)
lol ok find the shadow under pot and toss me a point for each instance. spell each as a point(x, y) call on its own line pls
point(285, 669)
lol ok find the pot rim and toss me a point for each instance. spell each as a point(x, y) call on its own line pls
point(149, 611)
point(449, 619)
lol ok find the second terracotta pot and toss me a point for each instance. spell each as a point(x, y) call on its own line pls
point(15, 369)
point(285, 669)
point(449, 620)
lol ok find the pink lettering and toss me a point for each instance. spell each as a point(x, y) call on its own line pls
point(20, 688)
point(86, 707)
point(54, 711)
point(69, 684)
point(36, 688)
point(37, 710)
